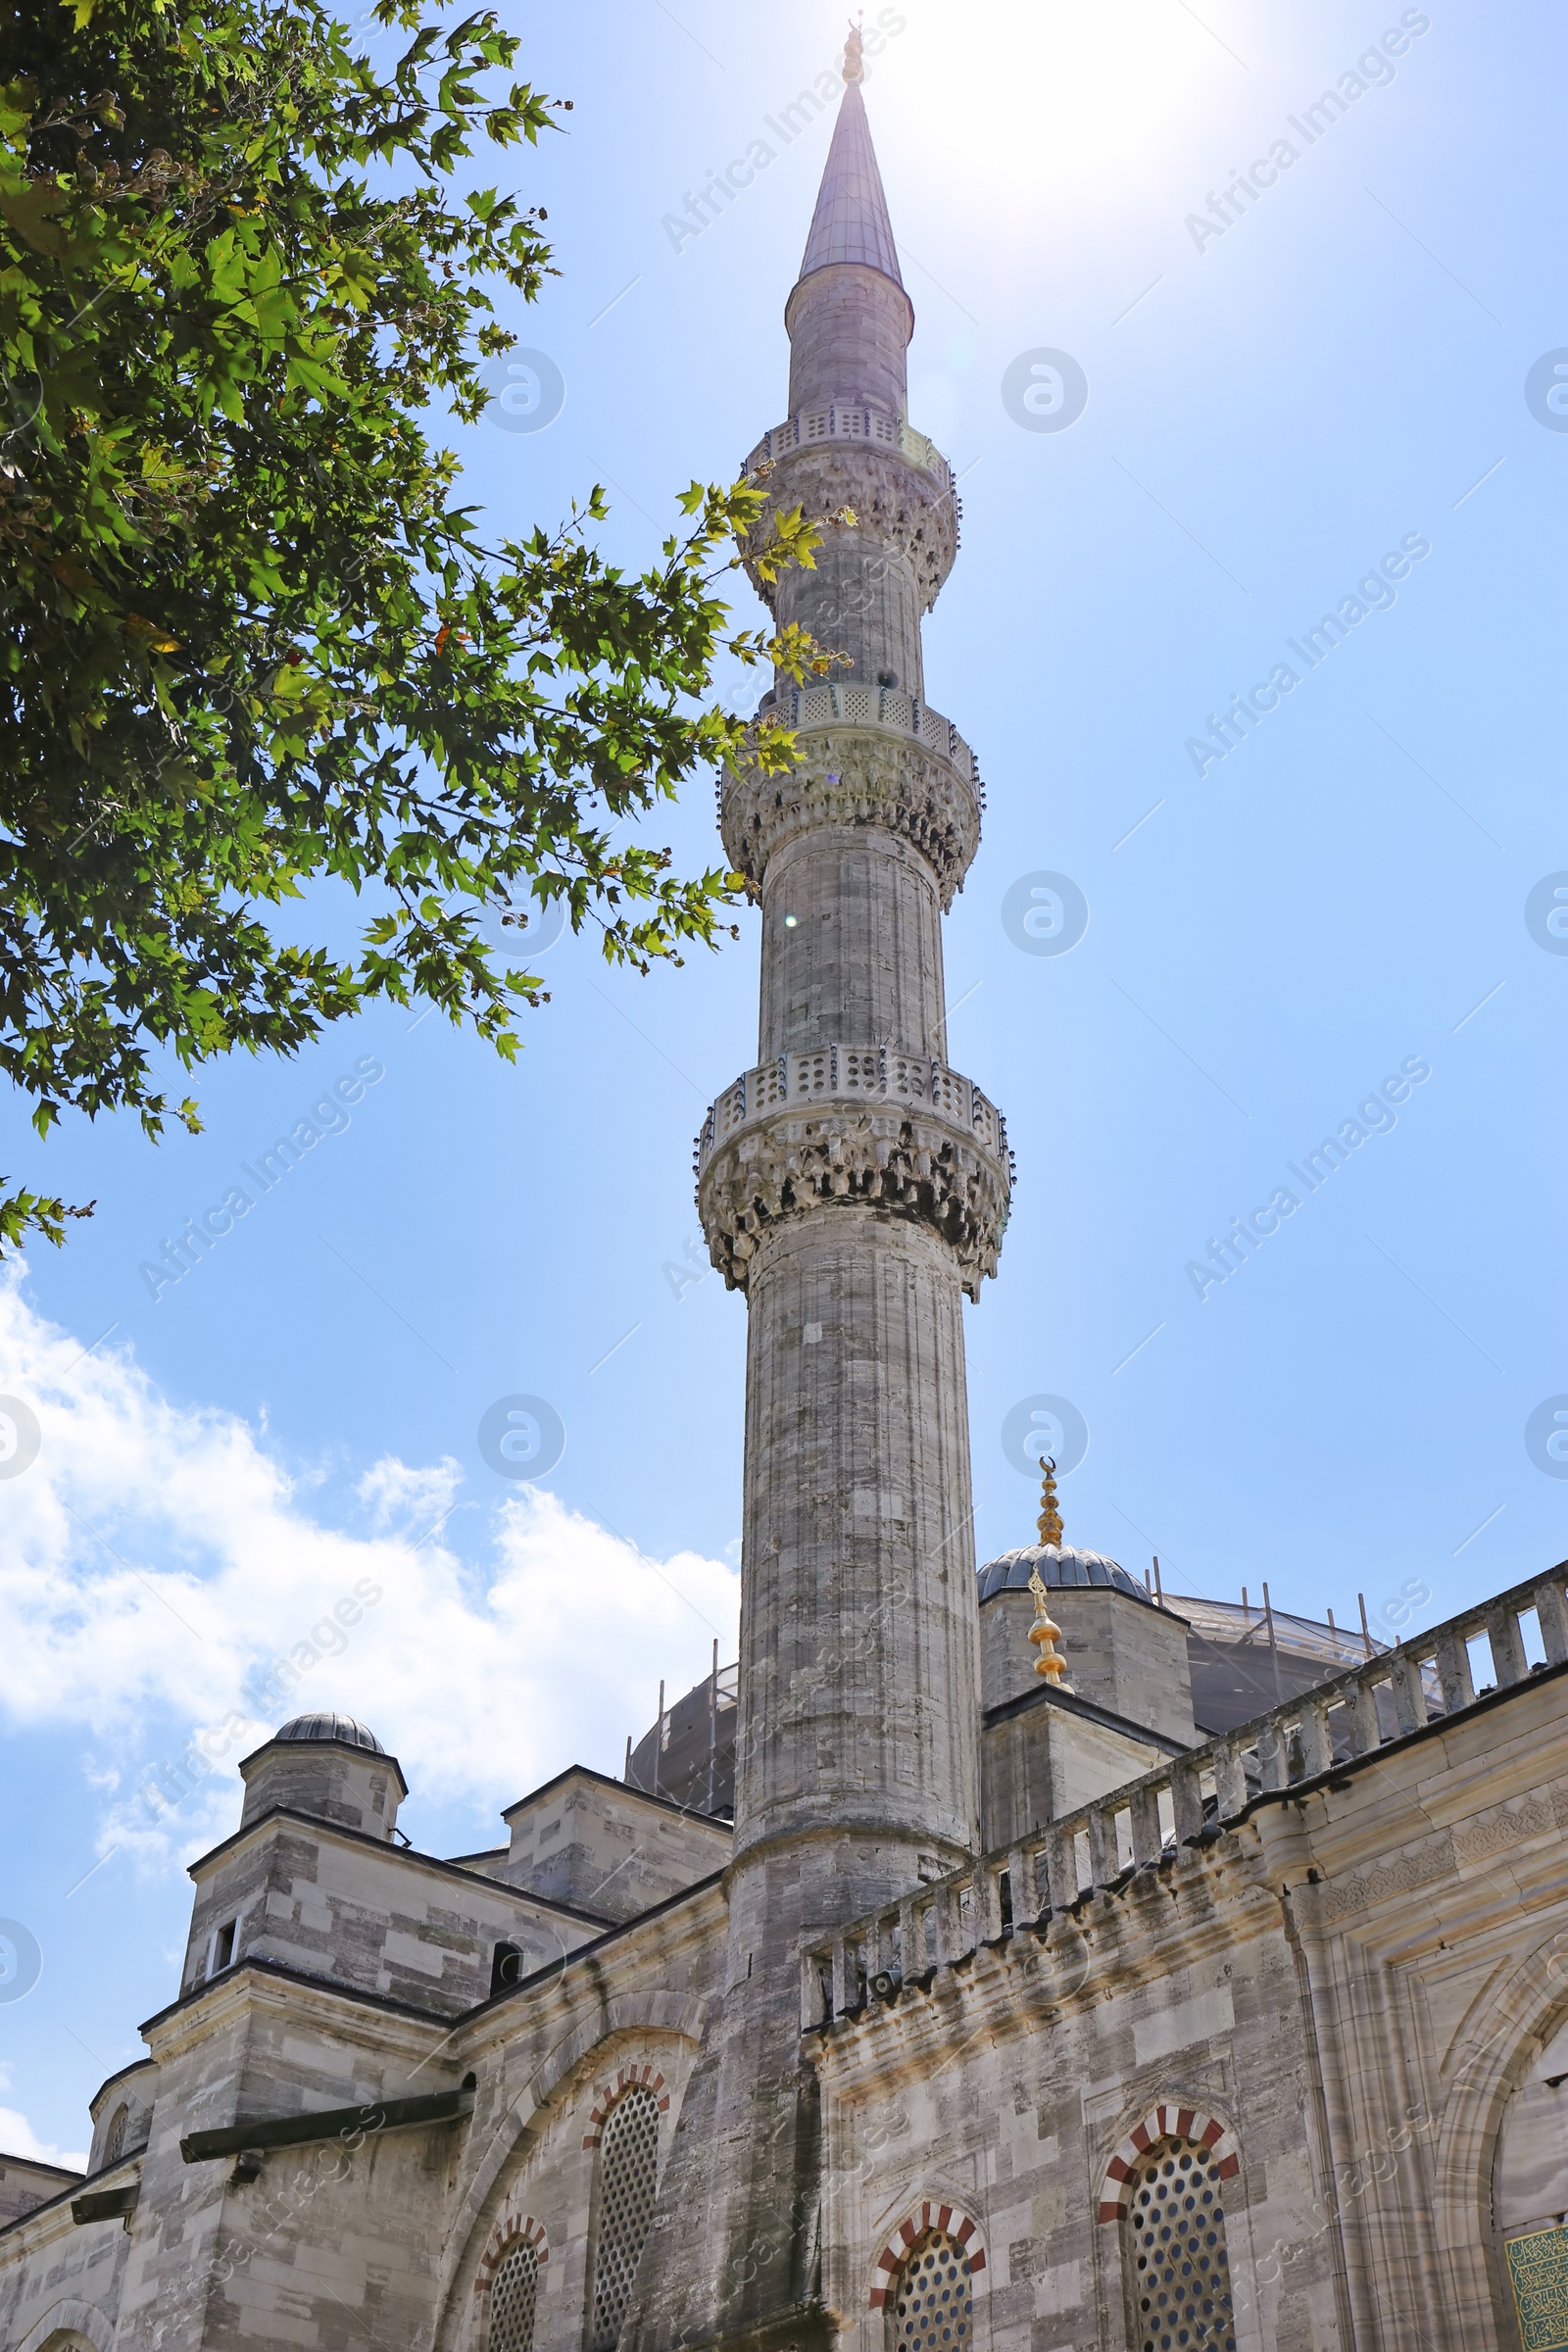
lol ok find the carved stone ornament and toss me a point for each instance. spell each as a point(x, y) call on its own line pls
point(850, 776)
point(897, 506)
point(907, 1163)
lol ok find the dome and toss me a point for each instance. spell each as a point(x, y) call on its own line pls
point(346, 1729)
point(1059, 1565)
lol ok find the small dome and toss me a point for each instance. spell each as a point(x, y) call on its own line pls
point(344, 1728)
point(1059, 1564)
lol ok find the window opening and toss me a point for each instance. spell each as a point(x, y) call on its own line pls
point(506, 1968)
point(514, 2296)
point(628, 2172)
point(934, 2309)
point(115, 2137)
point(1180, 2272)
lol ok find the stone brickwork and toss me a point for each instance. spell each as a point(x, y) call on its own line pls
point(1325, 1957)
point(855, 1194)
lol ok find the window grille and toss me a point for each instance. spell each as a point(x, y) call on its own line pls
point(628, 2170)
point(934, 2308)
point(115, 2137)
point(1179, 2271)
point(514, 2293)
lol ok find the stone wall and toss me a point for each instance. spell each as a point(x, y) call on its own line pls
point(1041, 1758)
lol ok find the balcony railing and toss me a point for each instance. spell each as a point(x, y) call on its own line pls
point(854, 421)
point(833, 1074)
point(1432, 1678)
point(887, 708)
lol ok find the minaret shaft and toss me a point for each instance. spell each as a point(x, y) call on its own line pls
point(851, 1183)
point(859, 1701)
point(865, 600)
point(851, 944)
point(848, 330)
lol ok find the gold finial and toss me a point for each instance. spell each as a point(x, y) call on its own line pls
point(1046, 1635)
point(1049, 1522)
point(853, 70)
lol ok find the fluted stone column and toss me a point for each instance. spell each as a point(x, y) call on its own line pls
point(855, 1187)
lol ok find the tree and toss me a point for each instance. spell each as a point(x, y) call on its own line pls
point(251, 639)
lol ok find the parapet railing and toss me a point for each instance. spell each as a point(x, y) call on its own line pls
point(880, 1075)
point(1433, 1676)
point(855, 420)
point(887, 708)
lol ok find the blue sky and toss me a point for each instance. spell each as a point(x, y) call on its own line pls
point(1340, 372)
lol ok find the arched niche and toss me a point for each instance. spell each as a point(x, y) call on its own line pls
point(1530, 2199)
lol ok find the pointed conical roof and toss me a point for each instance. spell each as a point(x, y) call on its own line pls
point(851, 222)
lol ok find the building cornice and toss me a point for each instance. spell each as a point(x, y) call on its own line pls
point(594, 1951)
point(249, 1977)
point(247, 1981)
point(1282, 1759)
point(110, 2082)
point(1199, 1904)
point(374, 1757)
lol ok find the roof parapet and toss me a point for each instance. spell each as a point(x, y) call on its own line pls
point(1340, 1722)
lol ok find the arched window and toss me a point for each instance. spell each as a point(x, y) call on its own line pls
point(628, 2172)
point(933, 2306)
point(115, 2137)
point(1177, 2268)
point(514, 2295)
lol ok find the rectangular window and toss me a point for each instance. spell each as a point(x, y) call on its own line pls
point(221, 1951)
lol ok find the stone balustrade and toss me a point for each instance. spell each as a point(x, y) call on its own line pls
point(1432, 1678)
point(852, 421)
point(885, 709)
point(835, 1074)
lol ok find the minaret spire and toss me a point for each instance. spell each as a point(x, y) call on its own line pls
point(851, 222)
point(848, 317)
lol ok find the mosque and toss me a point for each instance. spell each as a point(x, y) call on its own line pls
point(1029, 1960)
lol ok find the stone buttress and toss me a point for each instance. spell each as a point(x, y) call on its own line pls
point(855, 1188)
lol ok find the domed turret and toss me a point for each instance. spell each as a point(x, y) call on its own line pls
point(330, 1766)
point(346, 1729)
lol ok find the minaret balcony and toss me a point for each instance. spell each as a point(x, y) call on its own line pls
point(876, 428)
point(885, 707)
point(898, 485)
point(867, 755)
point(857, 1124)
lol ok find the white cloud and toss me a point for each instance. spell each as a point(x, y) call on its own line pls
point(395, 1494)
point(19, 2139)
point(161, 1562)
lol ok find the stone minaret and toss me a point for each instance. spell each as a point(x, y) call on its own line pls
point(855, 1188)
